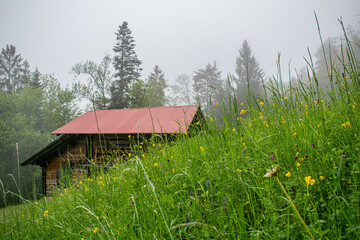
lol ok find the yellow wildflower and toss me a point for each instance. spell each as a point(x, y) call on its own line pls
point(162, 150)
point(238, 170)
point(234, 129)
point(298, 164)
point(153, 145)
point(288, 174)
point(36, 203)
point(95, 230)
point(285, 98)
point(46, 211)
point(322, 178)
point(294, 134)
point(129, 154)
point(173, 170)
point(309, 180)
point(242, 112)
point(217, 104)
point(261, 104)
point(202, 149)
point(241, 103)
point(129, 136)
point(155, 164)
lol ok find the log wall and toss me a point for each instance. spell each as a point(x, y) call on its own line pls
point(73, 155)
point(77, 153)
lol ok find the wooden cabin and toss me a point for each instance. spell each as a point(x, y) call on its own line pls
point(89, 139)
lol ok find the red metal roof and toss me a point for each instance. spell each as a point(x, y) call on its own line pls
point(131, 121)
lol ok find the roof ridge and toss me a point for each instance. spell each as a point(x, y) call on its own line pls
point(144, 108)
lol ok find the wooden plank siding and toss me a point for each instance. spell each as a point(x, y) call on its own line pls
point(73, 155)
point(80, 151)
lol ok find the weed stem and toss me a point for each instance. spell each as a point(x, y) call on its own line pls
point(293, 206)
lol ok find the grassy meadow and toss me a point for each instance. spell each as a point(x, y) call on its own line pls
point(286, 167)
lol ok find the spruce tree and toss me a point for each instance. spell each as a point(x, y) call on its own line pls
point(249, 73)
point(208, 86)
point(127, 67)
point(156, 85)
point(35, 80)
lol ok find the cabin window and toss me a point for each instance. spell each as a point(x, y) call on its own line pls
point(64, 176)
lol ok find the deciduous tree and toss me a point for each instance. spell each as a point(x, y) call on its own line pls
point(99, 78)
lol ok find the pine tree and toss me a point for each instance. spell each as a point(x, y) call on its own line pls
point(127, 67)
point(249, 73)
point(35, 80)
point(14, 71)
point(156, 86)
point(208, 86)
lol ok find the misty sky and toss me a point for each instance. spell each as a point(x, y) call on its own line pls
point(179, 36)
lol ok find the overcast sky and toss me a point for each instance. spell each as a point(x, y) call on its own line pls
point(179, 36)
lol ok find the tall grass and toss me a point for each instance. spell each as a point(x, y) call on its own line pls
point(212, 184)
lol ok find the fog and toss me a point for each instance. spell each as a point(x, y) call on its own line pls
point(179, 36)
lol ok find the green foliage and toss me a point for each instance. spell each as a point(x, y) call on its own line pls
point(97, 87)
point(208, 86)
point(149, 93)
point(138, 94)
point(127, 67)
point(14, 70)
point(27, 118)
point(249, 74)
point(156, 85)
